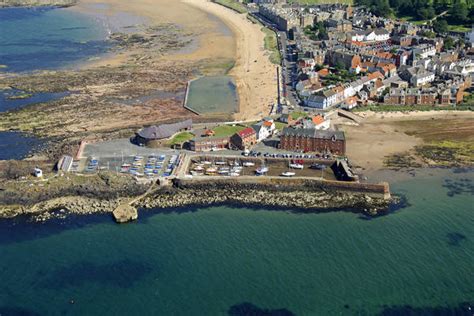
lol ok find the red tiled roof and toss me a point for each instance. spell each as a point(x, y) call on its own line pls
point(375, 75)
point(318, 119)
point(246, 132)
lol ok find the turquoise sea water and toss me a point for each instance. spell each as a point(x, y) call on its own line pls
point(229, 260)
point(48, 38)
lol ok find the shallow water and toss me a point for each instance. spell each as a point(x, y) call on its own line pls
point(223, 260)
point(7, 103)
point(16, 145)
point(213, 94)
point(48, 38)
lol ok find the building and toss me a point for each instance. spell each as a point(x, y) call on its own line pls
point(322, 100)
point(244, 139)
point(154, 136)
point(264, 129)
point(417, 76)
point(65, 163)
point(313, 140)
point(209, 143)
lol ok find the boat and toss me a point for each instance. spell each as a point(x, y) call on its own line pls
point(207, 162)
point(288, 174)
point(248, 164)
point(318, 166)
point(296, 166)
point(196, 173)
point(220, 163)
point(211, 169)
point(234, 174)
point(223, 172)
point(261, 170)
point(198, 168)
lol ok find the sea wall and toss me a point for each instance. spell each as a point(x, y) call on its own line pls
point(36, 3)
point(289, 194)
point(381, 190)
point(302, 195)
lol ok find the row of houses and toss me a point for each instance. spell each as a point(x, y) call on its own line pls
point(244, 139)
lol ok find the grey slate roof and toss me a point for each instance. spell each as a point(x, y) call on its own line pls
point(313, 133)
point(164, 130)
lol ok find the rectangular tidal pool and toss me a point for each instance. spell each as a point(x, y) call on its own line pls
point(212, 95)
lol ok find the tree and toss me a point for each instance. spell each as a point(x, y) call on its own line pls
point(440, 26)
point(448, 43)
point(426, 13)
point(458, 12)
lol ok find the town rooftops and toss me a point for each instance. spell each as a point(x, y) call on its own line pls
point(164, 130)
point(246, 132)
point(318, 119)
point(313, 133)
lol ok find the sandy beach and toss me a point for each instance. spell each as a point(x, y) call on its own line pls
point(382, 134)
point(254, 74)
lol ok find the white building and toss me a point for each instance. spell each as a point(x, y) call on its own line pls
point(264, 129)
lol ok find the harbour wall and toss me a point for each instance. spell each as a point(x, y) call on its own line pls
point(380, 190)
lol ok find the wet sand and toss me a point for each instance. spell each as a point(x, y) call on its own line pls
point(382, 134)
point(253, 72)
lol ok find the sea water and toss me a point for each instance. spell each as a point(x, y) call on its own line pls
point(232, 261)
point(42, 38)
point(48, 38)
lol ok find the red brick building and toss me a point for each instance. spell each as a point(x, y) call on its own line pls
point(209, 143)
point(313, 140)
point(244, 139)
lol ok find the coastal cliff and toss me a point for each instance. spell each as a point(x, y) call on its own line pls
point(36, 3)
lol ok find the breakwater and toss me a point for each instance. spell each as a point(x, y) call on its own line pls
point(307, 195)
point(303, 194)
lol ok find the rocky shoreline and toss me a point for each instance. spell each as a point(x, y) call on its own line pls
point(300, 200)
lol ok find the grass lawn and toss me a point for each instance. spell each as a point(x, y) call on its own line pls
point(181, 138)
point(280, 125)
point(296, 115)
point(232, 4)
point(459, 28)
point(227, 130)
point(271, 45)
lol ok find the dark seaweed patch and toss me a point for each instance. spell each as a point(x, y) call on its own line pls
point(454, 239)
point(461, 186)
point(463, 309)
point(16, 311)
point(123, 274)
point(248, 309)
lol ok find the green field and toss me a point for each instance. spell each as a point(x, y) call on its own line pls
point(227, 130)
point(232, 4)
point(181, 138)
point(296, 115)
point(272, 45)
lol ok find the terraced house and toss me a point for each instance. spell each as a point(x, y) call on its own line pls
point(313, 140)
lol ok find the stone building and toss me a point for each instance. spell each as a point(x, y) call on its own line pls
point(313, 140)
point(155, 136)
point(209, 143)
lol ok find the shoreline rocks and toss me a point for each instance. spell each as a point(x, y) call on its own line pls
point(298, 199)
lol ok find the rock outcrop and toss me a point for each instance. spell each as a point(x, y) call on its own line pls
point(125, 213)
